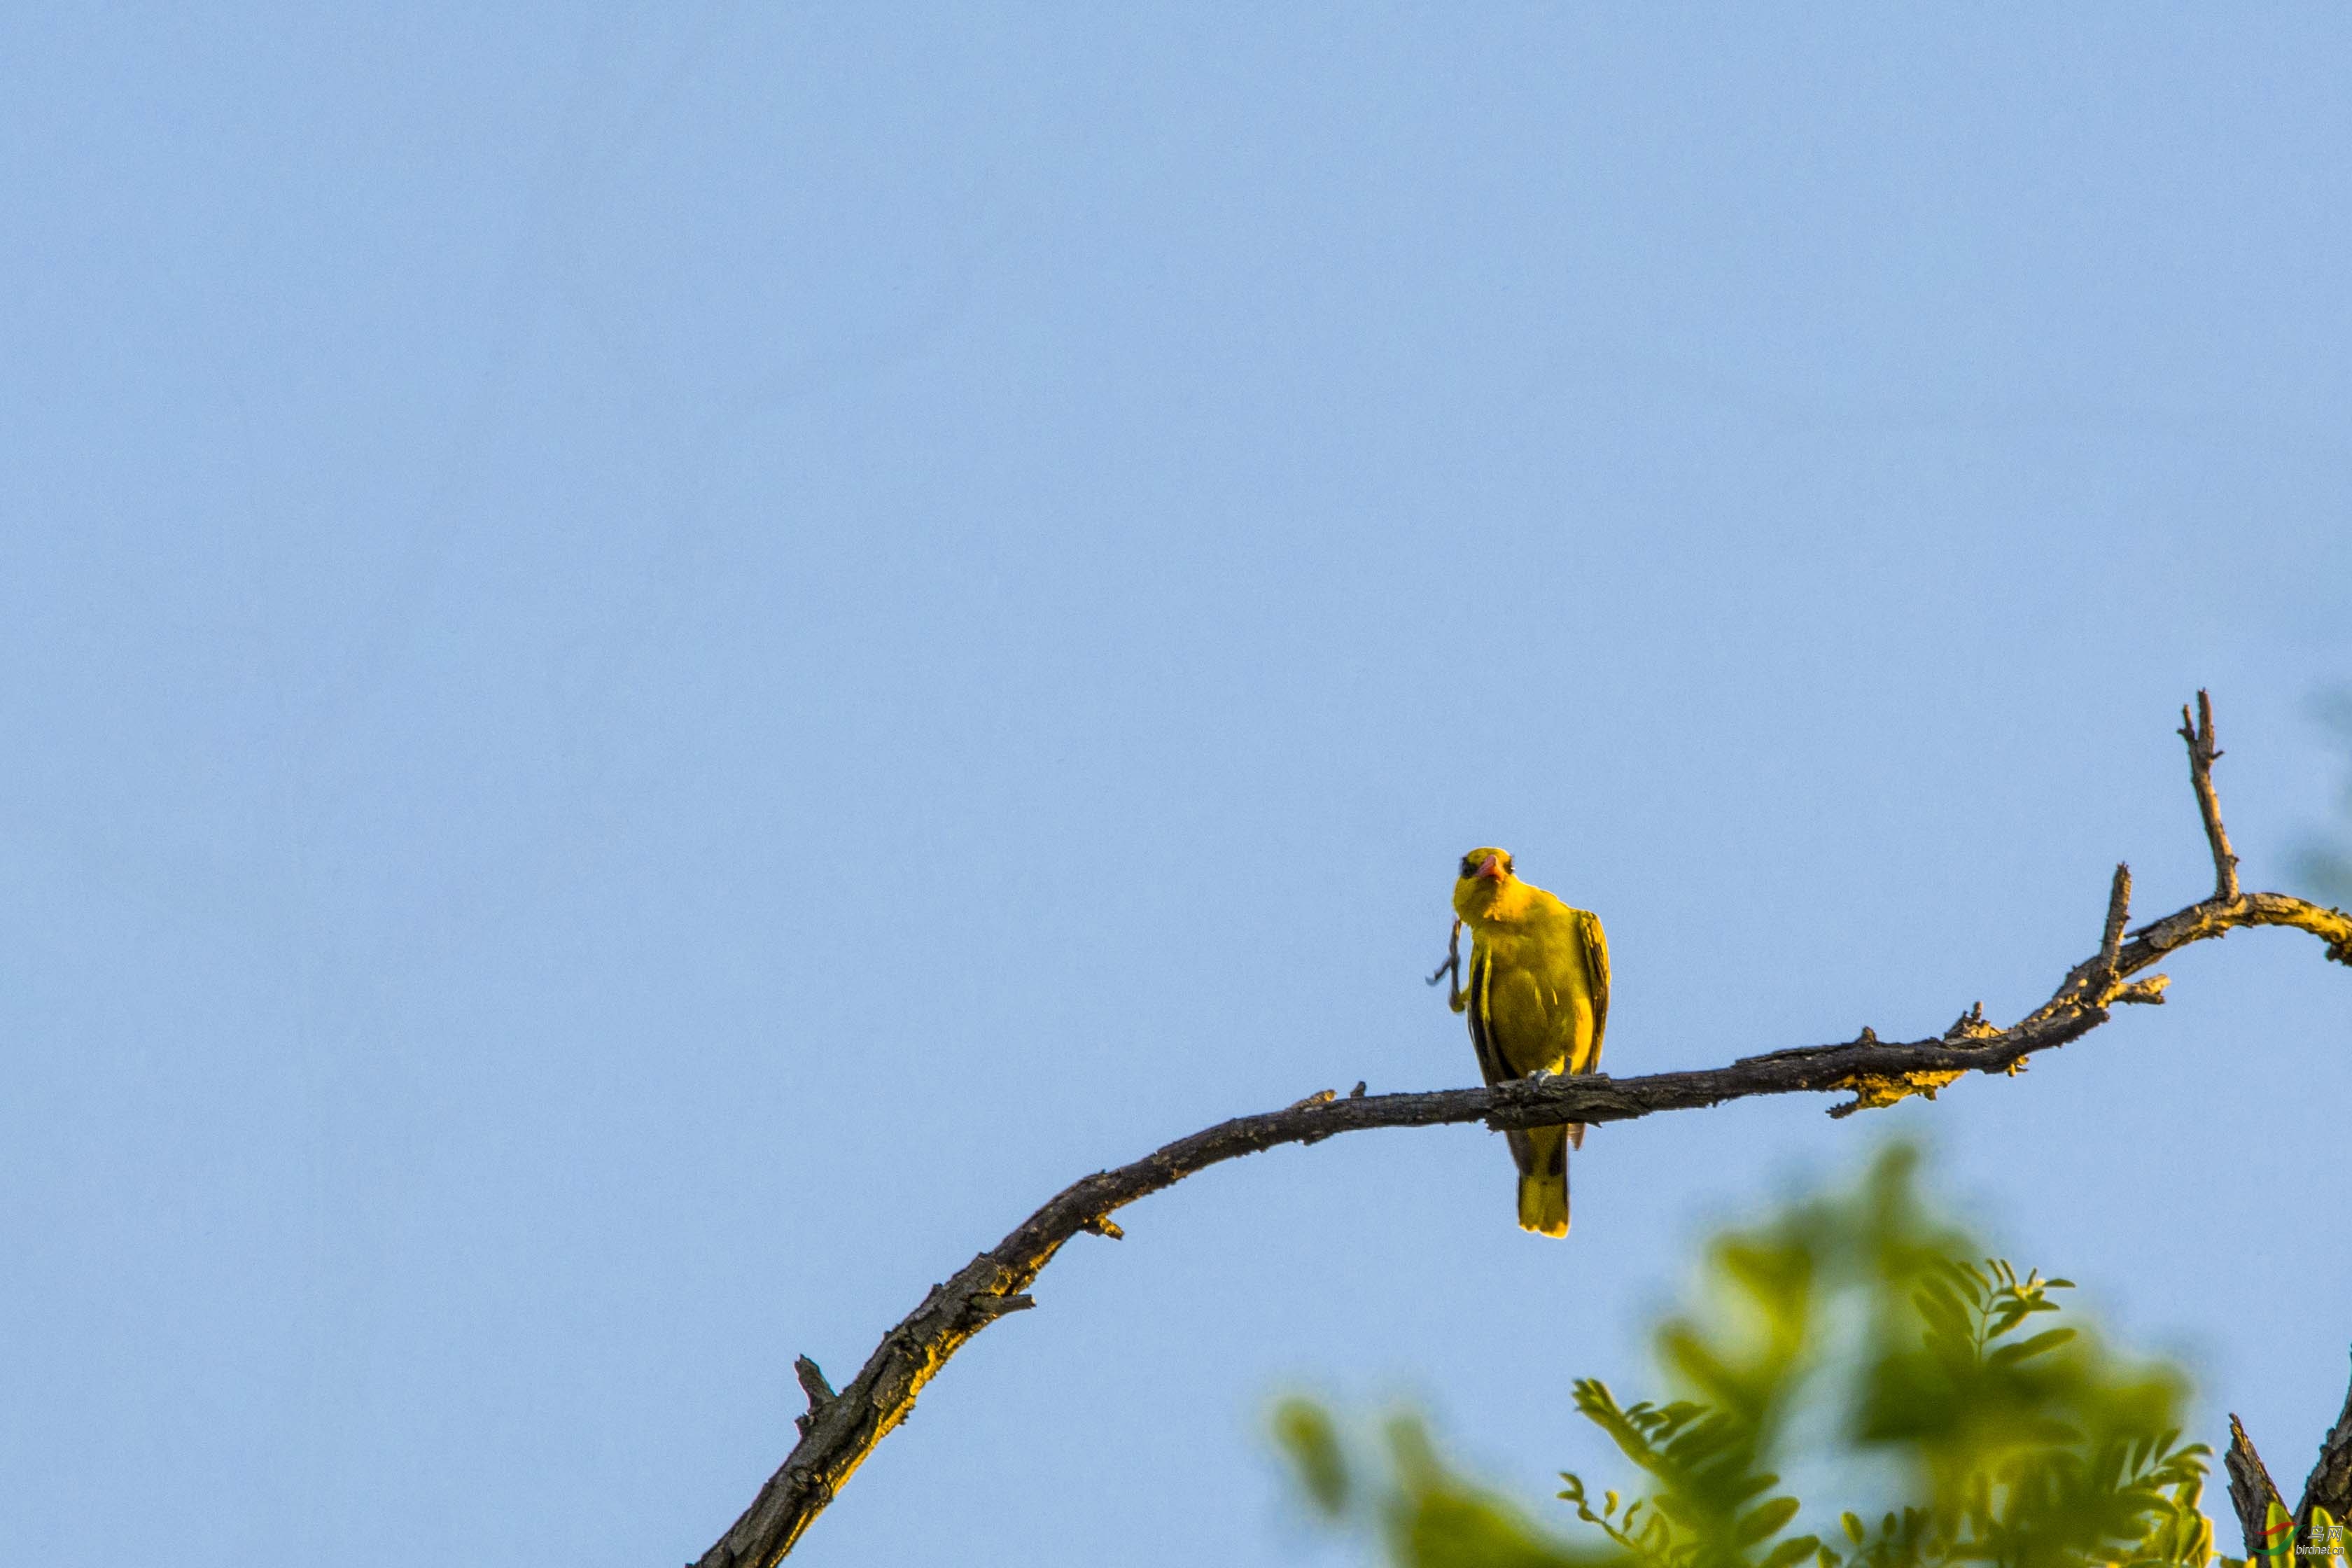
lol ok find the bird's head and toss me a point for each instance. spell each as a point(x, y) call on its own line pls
point(1486, 873)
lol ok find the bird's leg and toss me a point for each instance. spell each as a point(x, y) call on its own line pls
point(1453, 966)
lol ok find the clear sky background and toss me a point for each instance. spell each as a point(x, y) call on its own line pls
point(659, 665)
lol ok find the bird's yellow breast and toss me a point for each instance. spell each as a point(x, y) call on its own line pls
point(1533, 990)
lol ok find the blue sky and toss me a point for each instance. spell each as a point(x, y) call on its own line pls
point(661, 663)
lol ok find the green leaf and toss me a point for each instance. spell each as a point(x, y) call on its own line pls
point(1796, 1549)
point(1305, 1431)
point(2278, 1534)
point(1767, 1519)
point(2047, 1340)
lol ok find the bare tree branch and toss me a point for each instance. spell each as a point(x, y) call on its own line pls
point(2251, 1490)
point(839, 1431)
point(2330, 1483)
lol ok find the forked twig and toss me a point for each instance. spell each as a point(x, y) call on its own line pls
point(2203, 754)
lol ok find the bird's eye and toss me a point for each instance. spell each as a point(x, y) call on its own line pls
point(1466, 868)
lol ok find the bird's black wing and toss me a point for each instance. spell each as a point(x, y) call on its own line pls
point(1482, 1026)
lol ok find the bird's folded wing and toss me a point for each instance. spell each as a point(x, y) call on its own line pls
point(1480, 996)
point(1596, 977)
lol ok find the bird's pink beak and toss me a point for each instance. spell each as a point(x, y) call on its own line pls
point(1490, 867)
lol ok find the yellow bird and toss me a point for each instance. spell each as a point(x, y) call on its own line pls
point(1538, 1001)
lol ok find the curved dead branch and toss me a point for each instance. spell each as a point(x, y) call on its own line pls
point(841, 1429)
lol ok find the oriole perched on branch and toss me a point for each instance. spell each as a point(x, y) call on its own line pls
point(1537, 1000)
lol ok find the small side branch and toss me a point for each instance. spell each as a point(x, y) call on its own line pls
point(2203, 754)
point(2111, 940)
point(812, 1385)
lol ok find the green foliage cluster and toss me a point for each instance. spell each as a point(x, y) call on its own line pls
point(1858, 1332)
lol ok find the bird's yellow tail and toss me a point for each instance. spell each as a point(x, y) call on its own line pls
point(1543, 1204)
point(1543, 1188)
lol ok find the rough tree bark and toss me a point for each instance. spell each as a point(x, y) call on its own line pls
point(2329, 1484)
point(2251, 1491)
point(842, 1428)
